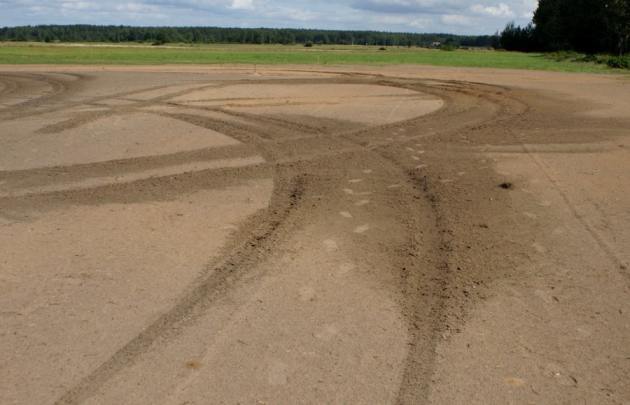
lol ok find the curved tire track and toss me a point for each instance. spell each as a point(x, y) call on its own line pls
point(469, 109)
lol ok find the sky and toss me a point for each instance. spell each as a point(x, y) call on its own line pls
point(449, 16)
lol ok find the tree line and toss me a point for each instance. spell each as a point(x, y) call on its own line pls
point(589, 26)
point(209, 35)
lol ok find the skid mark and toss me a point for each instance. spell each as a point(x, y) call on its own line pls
point(595, 235)
point(135, 176)
point(206, 290)
point(416, 379)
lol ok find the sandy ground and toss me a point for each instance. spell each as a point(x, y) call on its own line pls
point(197, 235)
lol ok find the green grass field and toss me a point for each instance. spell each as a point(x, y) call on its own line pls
point(20, 53)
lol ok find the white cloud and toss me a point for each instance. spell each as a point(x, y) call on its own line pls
point(242, 4)
point(136, 8)
point(456, 16)
point(77, 5)
point(500, 10)
point(456, 19)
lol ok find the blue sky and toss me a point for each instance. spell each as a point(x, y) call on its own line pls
point(454, 16)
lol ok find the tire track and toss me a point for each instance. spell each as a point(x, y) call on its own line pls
point(265, 230)
point(425, 262)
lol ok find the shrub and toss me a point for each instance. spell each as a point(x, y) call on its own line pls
point(562, 56)
point(589, 58)
point(447, 47)
point(309, 44)
point(618, 62)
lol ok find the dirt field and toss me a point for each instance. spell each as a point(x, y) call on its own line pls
point(410, 235)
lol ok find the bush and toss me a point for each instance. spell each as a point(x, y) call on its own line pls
point(589, 58)
point(382, 48)
point(562, 56)
point(309, 44)
point(448, 47)
point(615, 62)
point(618, 62)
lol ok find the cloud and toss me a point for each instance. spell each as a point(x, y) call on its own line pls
point(456, 19)
point(78, 5)
point(456, 16)
point(500, 10)
point(242, 4)
point(411, 6)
